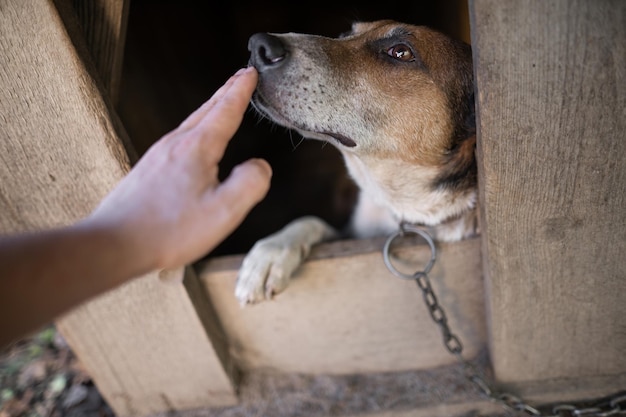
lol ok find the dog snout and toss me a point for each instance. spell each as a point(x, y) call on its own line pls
point(266, 51)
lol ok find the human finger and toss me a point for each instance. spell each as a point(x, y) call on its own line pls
point(193, 119)
point(246, 185)
point(220, 123)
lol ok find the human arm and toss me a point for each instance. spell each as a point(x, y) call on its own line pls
point(170, 210)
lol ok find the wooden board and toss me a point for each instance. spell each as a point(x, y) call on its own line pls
point(97, 30)
point(144, 343)
point(344, 312)
point(59, 149)
point(103, 25)
point(147, 350)
point(551, 83)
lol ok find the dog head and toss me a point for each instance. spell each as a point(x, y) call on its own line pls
point(385, 91)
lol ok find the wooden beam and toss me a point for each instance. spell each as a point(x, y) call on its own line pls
point(103, 25)
point(551, 84)
point(144, 344)
point(59, 147)
point(101, 51)
point(344, 312)
point(147, 350)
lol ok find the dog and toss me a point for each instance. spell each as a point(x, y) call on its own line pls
point(397, 100)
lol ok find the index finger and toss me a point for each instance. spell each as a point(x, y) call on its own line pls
point(194, 118)
point(224, 117)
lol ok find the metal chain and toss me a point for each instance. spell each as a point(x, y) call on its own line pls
point(614, 405)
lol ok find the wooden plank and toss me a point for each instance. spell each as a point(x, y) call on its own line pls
point(147, 350)
point(551, 83)
point(99, 37)
point(144, 343)
point(58, 159)
point(213, 327)
point(344, 312)
point(103, 25)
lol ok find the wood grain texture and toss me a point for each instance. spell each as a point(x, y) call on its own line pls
point(144, 343)
point(59, 151)
point(147, 349)
point(551, 83)
point(344, 312)
point(104, 24)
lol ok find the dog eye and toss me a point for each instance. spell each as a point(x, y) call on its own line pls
point(401, 52)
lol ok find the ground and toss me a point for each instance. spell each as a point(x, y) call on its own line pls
point(41, 377)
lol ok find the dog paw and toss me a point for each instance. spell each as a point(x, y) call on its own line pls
point(266, 270)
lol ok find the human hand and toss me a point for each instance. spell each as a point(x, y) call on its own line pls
point(171, 208)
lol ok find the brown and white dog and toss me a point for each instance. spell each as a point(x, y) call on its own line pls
point(398, 101)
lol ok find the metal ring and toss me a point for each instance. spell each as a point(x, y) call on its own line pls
point(403, 230)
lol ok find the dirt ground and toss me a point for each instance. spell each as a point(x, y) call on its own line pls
point(41, 377)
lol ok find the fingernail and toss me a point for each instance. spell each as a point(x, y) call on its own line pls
point(241, 71)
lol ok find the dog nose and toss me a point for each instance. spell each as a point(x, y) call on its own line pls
point(266, 51)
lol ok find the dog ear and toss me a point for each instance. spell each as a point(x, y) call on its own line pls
point(463, 99)
point(345, 34)
point(463, 112)
point(353, 30)
point(459, 171)
point(359, 27)
point(470, 117)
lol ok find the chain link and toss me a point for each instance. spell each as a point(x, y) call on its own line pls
point(614, 405)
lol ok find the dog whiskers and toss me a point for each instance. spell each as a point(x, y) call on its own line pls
point(295, 145)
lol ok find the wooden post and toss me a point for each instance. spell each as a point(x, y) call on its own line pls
point(103, 26)
point(551, 85)
point(144, 344)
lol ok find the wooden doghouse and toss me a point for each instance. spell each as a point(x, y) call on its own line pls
point(542, 290)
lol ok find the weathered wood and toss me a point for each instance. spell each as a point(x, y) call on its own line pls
point(212, 325)
point(104, 24)
point(344, 312)
point(144, 344)
point(59, 149)
point(100, 50)
point(147, 350)
point(551, 84)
